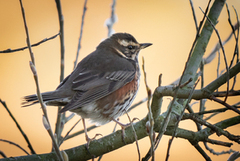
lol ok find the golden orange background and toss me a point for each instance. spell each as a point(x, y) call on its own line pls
point(168, 24)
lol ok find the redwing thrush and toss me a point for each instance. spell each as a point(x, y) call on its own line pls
point(103, 85)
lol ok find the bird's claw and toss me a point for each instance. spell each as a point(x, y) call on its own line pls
point(91, 139)
point(124, 126)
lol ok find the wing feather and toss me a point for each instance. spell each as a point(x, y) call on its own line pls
point(91, 86)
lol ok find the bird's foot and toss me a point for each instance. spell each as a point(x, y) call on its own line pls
point(88, 139)
point(124, 126)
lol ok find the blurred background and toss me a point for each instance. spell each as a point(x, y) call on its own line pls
point(168, 24)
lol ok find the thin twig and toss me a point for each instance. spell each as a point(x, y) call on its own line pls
point(200, 150)
point(234, 156)
point(64, 138)
point(62, 47)
point(33, 45)
point(60, 116)
point(34, 71)
point(234, 28)
point(10, 142)
point(202, 101)
point(2, 154)
point(110, 22)
point(179, 119)
point(223, 93)
point(212, 115)
point(80, 132)
point(68, 118)
point(135, 135)
point(225, 104)
point(236, 51)
point(211, 87)
point(194, 15)
point(150, 114)
point(212, 54)
point(137, 104)
point(217, 142)
point(214, 111)
point(160, 80)
point(217, 153)
point(185, 83)
point(27, 34)
point(165, 122)
point(219, 131)
point(224, 55)
point(190, 110)
point(81, 33)
point(19, 127)
point(114, 129)
point(218, 65)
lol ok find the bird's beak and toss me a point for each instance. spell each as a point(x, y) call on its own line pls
point(144, 45)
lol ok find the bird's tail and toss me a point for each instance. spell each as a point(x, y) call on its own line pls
point(48, 98)
point(30, 100)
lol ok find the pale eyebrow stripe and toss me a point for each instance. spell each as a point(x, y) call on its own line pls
point(126, 43)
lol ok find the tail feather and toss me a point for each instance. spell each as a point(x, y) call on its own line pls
point(30, 100)
point(48, 98)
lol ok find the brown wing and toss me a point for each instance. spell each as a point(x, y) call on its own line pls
point(90, 86)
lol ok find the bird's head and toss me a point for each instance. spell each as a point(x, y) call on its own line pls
point(125, 45)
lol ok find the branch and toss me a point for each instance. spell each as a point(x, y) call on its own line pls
point(194, 15)
point(3, 154)
point(19, 127)
point(234, 28)
point(81, 33)
point(223, 78)
point(214, 111)
point(217, 142)
point(64, 138)
point(60, 116)
point(212, 55)
point(236, 52)
point(219, 131)
point(10, 142)
point(27, 33)
point(179, 119)
point(203, 40)
point(110, 21)
point(224, 55)
point(150, 122)
point(114, 141)
point(200, 150)
point(217, 153)
point(97, 147)
point(33, 45)
point(234, 156)
point(61, 23)
point(34, 71)
point(206, 92)
point(225, 104)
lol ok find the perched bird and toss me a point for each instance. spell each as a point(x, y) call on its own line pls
point(103, 85)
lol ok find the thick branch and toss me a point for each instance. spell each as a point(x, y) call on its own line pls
point(114, 140)
point(206, 92)
point(203, 40)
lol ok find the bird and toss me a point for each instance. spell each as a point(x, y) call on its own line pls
point(102, 86)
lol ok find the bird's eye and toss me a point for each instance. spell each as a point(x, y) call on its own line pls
point(130, 47)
